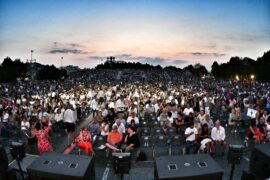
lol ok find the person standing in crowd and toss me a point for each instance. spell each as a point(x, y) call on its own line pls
point(83, 141)
point(58, 117)
point(70, 120)
point(42, 134)
point(94, 106)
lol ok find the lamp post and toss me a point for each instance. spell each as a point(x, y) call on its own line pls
point(62, 62)
point(252, 77)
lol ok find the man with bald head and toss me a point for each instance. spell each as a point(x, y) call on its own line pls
point(120, 126)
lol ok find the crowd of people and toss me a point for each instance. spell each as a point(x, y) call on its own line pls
point(118, 101)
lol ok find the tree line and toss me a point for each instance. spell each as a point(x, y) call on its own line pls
point(242, 68)
point(11, 71)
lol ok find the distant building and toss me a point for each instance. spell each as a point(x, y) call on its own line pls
point(71, 69)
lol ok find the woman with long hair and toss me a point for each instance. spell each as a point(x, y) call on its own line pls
point(83, 141)
point(42, 134)
point(205, 139)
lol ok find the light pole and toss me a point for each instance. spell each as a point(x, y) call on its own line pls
point(252, 77)
point(61, 62)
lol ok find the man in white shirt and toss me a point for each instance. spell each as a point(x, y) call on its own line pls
point(191, 134)
point(120, 106)
point(25, 125)
point(218, 135)
point(132, 116)
point(94, 106)
point(188, 110)
point(120, 126)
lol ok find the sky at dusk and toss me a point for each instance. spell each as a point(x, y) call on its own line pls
point(165, 32)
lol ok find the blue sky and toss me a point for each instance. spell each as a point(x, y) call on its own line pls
point(165, 32)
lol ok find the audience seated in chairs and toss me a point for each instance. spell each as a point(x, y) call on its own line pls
point(93, 127)
point(206, 144)
point(218, 136)
point(267, 129)
point(191, 135)
point(179, 123)
point(253, 132)
point(114, 139)
point(83, 141)
point(132, 140)
point(120, 126)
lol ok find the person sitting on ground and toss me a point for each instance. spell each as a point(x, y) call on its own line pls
point(131, 140)
point(83, 141)
point(114, 139)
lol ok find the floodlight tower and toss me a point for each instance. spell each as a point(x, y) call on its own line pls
point(32, 60)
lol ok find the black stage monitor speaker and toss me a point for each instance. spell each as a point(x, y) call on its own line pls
point(55, 166)
point(247, 175)
point(187, 167)
point(17, 150)
point(235, 154)
point(121, 162)
point(260, 161)
point(3, 160)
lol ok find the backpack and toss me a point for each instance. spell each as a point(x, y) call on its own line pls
point(141, 156)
